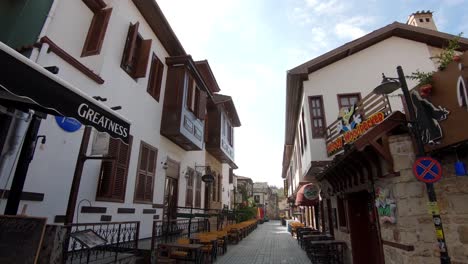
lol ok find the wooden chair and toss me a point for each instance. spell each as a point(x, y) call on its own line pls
point(180, 254)
point(162, 255)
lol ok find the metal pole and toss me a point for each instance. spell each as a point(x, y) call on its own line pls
point(26, 154)
point(190, 222)
point(75, 187)
point(414, 128)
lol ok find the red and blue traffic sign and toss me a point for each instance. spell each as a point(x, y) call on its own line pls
point(427, 169)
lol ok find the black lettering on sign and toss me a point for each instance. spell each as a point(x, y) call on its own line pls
point(20, 238)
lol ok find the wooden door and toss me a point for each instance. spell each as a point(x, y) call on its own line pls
point(365, 238)
point(170, 198)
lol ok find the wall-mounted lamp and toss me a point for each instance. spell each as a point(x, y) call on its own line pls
point(164, 165)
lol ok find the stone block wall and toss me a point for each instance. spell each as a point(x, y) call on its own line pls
point(414, 225)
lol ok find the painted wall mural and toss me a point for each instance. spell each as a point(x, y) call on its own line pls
point(386, 205)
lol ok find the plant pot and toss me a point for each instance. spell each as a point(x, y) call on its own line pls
point(425, 90)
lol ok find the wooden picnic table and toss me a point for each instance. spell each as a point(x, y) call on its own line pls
point(194, 249)
point(211, 241)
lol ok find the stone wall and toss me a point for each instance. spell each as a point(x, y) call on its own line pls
point(414, 225)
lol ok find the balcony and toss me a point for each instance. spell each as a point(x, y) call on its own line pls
point(222, 118)
point(355, 122)
point(183, 117)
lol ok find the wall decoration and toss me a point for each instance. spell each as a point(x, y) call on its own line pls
point(428, 116)
point(347, 119)
point(352, 135)
point(386, 205)
point(450, 90)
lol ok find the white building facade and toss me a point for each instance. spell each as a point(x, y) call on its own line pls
point(119, 51)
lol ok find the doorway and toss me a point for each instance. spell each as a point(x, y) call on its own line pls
point(365, 238)
point(171, 192)
point(170, 198)
point(207, 195)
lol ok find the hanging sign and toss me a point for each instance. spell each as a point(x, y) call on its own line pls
point(352, 129)
point(68, 124)
point(311, 192)
point(427, 169)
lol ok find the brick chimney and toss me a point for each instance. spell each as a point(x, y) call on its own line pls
point(422, 19)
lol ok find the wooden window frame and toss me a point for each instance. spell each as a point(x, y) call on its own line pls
point(155, 77)
point(312, 118)
point(229, 133)
point(304, 134)
point(136, 52)
point(196, 99)
point(220, 179)
point(145, 200)
point(347, 95)
point(231, 175)
point(98, 27)
point(198, 186)
point(112, 197)
point(189, 201)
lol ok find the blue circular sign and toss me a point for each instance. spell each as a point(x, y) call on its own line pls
point(67, 123)
point(427, 169)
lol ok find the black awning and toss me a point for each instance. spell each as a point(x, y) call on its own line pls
point(27, 84)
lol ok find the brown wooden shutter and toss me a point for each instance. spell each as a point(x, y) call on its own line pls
point(231, 176)
point(106, 176)
point(142, 59)
point(190, 93)
point(155, 78)
point(198, 190)
point(150, 174)
point(159, 75)
point(130, 45)
point(121, 170)
point(96, 33)
point(95, 5)
point(201, 105)
point(141, 176)
point(146, 173)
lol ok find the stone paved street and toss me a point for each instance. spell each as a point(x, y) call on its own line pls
point(270, 243)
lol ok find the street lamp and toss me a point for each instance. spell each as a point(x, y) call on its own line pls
point(388, 86)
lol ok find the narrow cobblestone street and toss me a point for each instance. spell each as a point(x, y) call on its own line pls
point(270, 243)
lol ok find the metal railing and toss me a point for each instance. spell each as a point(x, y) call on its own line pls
point(121, 237)
point(166, 231)
point(189, 221)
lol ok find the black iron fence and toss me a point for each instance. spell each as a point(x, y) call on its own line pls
point(121, 241)
point(166, 231)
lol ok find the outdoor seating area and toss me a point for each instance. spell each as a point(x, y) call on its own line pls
point(204, 247)
point(321, 247)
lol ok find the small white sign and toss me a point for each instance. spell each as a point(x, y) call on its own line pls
point(100, 144)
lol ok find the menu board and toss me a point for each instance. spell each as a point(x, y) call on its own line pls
point(20, 238)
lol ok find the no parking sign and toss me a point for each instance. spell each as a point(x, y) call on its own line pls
point(427, 169)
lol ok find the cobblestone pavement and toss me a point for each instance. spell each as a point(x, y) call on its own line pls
point(270, 243)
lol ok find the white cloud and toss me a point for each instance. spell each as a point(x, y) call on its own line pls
point(346, 31)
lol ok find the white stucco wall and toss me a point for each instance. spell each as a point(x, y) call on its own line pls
point(51, 170)
point(360, 72)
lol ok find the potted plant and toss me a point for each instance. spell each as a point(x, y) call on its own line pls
point(448, 54)
point(425, 81)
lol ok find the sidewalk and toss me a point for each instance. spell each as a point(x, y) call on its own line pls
point(270, 243)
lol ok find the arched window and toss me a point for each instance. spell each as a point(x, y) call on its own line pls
point(462, 93)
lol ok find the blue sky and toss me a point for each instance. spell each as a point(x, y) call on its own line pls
point(250, 44)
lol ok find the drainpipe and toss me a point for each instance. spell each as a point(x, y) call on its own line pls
point(18, 128)
point(45, 27)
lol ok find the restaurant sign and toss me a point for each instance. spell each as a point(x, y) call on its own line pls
point(352, 127)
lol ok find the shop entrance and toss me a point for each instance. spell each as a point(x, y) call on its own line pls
point(365, 239)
